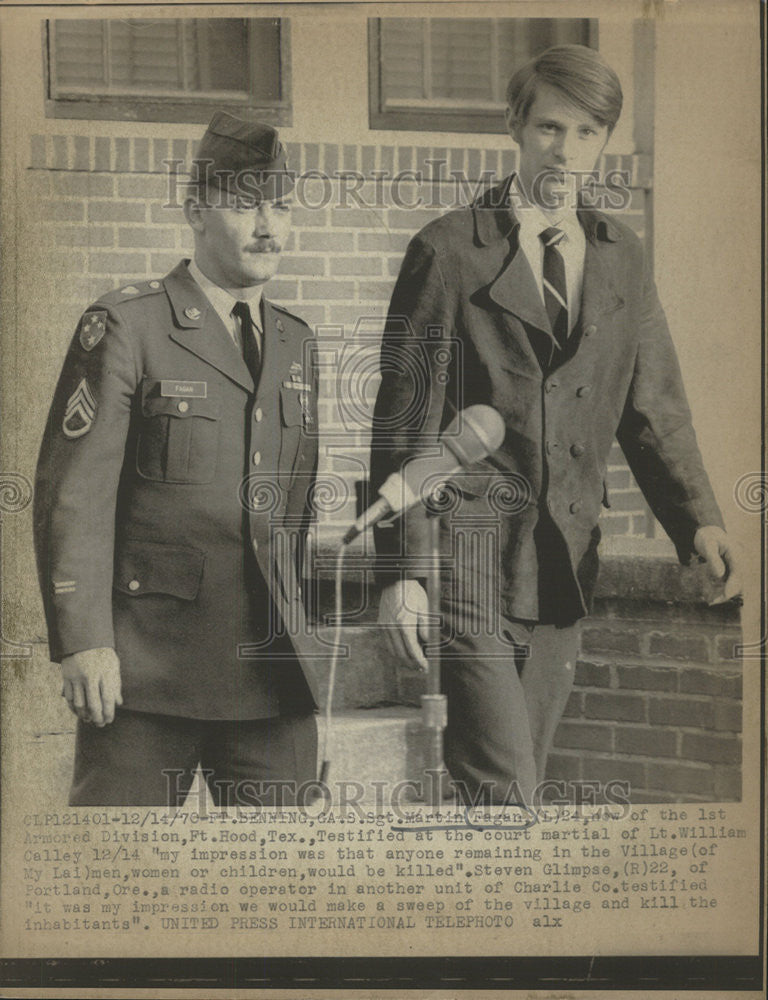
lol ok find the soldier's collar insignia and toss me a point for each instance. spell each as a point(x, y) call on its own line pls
point(92, 328)
point(80, 411)
point(192, 312)
point(130, 290)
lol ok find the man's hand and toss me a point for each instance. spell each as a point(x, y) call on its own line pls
point(92, 684)
point(721, 556)
point(405, 606)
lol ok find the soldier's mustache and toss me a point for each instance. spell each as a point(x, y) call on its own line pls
point(265, 246)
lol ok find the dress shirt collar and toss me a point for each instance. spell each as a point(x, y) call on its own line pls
point(533, 220)
point(223, 299)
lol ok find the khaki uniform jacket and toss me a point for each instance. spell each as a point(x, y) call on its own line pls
point(171, 504)
point(467, 325)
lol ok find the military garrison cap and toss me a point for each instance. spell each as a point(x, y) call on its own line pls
point(242, 160)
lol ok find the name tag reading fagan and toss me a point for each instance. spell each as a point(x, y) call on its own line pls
point(197, 390)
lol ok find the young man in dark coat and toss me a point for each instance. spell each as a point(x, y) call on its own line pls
point(171, 504)
point(543, 308)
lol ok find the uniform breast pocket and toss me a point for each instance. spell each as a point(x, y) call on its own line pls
point(179, 434)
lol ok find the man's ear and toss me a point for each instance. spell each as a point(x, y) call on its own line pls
point(194, 214)
point(513, 125)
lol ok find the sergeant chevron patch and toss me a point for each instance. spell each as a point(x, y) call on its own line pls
point(80, 412)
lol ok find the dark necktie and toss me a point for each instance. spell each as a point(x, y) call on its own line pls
point(555, 293)
point(248, 345)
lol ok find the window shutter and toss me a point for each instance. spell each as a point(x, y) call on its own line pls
point(145, 55)
point(461, 59)
point(79, 54)
point(403, 58)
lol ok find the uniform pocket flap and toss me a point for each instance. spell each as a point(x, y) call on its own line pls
point(157, 399)
point(155, 568)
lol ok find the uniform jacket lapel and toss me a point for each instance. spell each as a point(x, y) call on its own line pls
point(200, 330)
point(276, 349)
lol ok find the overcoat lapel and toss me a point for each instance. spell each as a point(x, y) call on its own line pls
point(598, 296)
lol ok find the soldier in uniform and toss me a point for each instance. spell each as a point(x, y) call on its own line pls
point(543, 308)
point(172, 503)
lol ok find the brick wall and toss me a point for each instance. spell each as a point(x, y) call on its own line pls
point(658, 687)
point(99, 217)
point(657, 698)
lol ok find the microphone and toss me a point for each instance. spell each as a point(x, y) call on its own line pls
point(471, 435)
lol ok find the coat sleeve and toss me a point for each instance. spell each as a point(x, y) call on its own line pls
point(76, 489)
point(413, 396)
point(657, 436)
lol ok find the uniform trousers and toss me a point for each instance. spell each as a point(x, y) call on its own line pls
point(143, 759)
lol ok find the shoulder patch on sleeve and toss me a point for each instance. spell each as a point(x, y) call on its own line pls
point(93, 326)
point(80, 411)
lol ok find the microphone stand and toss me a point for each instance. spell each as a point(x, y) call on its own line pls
point(434, 710)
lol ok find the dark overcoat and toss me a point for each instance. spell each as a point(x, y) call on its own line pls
point(467, 325)
point(171, 502)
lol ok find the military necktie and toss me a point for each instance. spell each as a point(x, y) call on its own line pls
point(555, 292)
point(248, 344)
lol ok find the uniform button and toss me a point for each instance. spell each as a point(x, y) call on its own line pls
point(255, 544)
point(577, 450)
point(575, 507)
point(182, 406)
point(549, 505)
point(590, 330)
point(258, 415)
point(134, 585)
point(584, 390)
point(551, 384)
point(551, 446)
point(256, 457)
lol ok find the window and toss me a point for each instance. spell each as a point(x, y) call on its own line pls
point(451, 74)
point(168, 69)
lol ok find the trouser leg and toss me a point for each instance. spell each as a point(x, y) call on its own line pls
point(137, 760)
point(547, 681)
point(488, 742)
point(253, 762)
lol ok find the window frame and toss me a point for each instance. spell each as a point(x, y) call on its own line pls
point(191, 108)
point(429, 118)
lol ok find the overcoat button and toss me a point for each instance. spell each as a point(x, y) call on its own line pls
point(255, 544)
point(584, 390)
point(134, 585)
point(258, 415)
point(590, 330)
point(256, 457)
point(577, 450)
point(575, 507)
point(551, 384)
